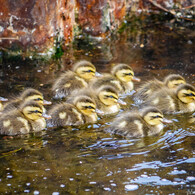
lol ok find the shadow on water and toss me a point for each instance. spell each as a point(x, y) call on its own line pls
point(87, 159)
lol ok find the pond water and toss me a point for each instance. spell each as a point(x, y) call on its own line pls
point(87, 160)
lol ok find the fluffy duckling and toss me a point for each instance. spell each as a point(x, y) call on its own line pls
point(27, 118)
point(82, 72)
point(2, 99)
point(26, 95)
point(147, 122)
point(169, 101)
point(147, 89)
point(121, 78)
point(106, 98)
point(80, 110)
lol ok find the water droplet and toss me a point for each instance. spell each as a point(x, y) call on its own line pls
point(190, 178)
point(55, 193)
point(36, 192)
point(107, 189)
point(92, 182)
point(131, 187)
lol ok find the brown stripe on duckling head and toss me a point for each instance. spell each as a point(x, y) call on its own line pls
point(148, 109)
point(30, 92)
point(120, 66)
point(82, 63)
point(174, 80)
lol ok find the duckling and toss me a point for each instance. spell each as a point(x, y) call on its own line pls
point(121, 78)
point(2, 99)
point(147, 89)
point(82, 72)
point(169, 101)
point(106, 98)
point(146, 122)
point(27, 94)
point(27, 118)
point(81, 110)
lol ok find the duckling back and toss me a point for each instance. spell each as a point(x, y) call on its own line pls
point(107, 79)
point(168, 100)
point(14, 123)
point(129, 124)
point(67, 83)
point(65, 114)
point(146, 90)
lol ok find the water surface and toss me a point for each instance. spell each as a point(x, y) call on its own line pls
point(87, 160)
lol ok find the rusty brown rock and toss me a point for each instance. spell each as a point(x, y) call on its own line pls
point(36, 24)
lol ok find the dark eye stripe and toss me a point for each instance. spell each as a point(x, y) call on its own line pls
point(189, 94)
point(38, 99)
point(35, 111)
point(110, 96)
point(127, 74)
point(89, 71)
point(89, 107)
point(157, 116)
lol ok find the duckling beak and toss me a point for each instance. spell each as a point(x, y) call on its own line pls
point(121, 102)
point(2, 99)
point(46, 116)
point(136, 79)
point(166, 121)
point(99, 111)
point(45, 102)
point(97, 74)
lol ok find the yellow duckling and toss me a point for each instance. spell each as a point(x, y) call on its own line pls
point(121, 78)
point(78, 78)
point(80, 110)
point(105, 97)
point(27, 118)
point(147, 122)
point(148, 88)
point(2, 99)
point(27, 95)
point(169, 101)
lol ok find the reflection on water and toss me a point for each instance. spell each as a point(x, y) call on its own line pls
point(87, 159)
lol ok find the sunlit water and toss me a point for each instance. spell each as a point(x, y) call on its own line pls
point(86, 159)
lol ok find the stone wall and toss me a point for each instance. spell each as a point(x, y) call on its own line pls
point(34, 25)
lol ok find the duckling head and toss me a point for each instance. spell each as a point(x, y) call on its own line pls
point(84, 69)
point(108, 95)
point(153, 116)
point(87, 107)
point(186, 93)
point(124, 73)
point(174, 80)
point(35, 95)
point(33, 110)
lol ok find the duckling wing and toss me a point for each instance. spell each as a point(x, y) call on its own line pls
point(146, 90)
point(106, 79)
point(67, 83)
point(14, 123)
point(12, 105)
point(164, 99)
point(65, 115)
point(128, 125)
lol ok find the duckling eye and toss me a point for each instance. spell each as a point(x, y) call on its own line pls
point(38, 99)
point(88, 71)
point(127, 74)
point(89, 107)
point(189, 94)
point(157, 116)
point(110, 96)
point(37, 111)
